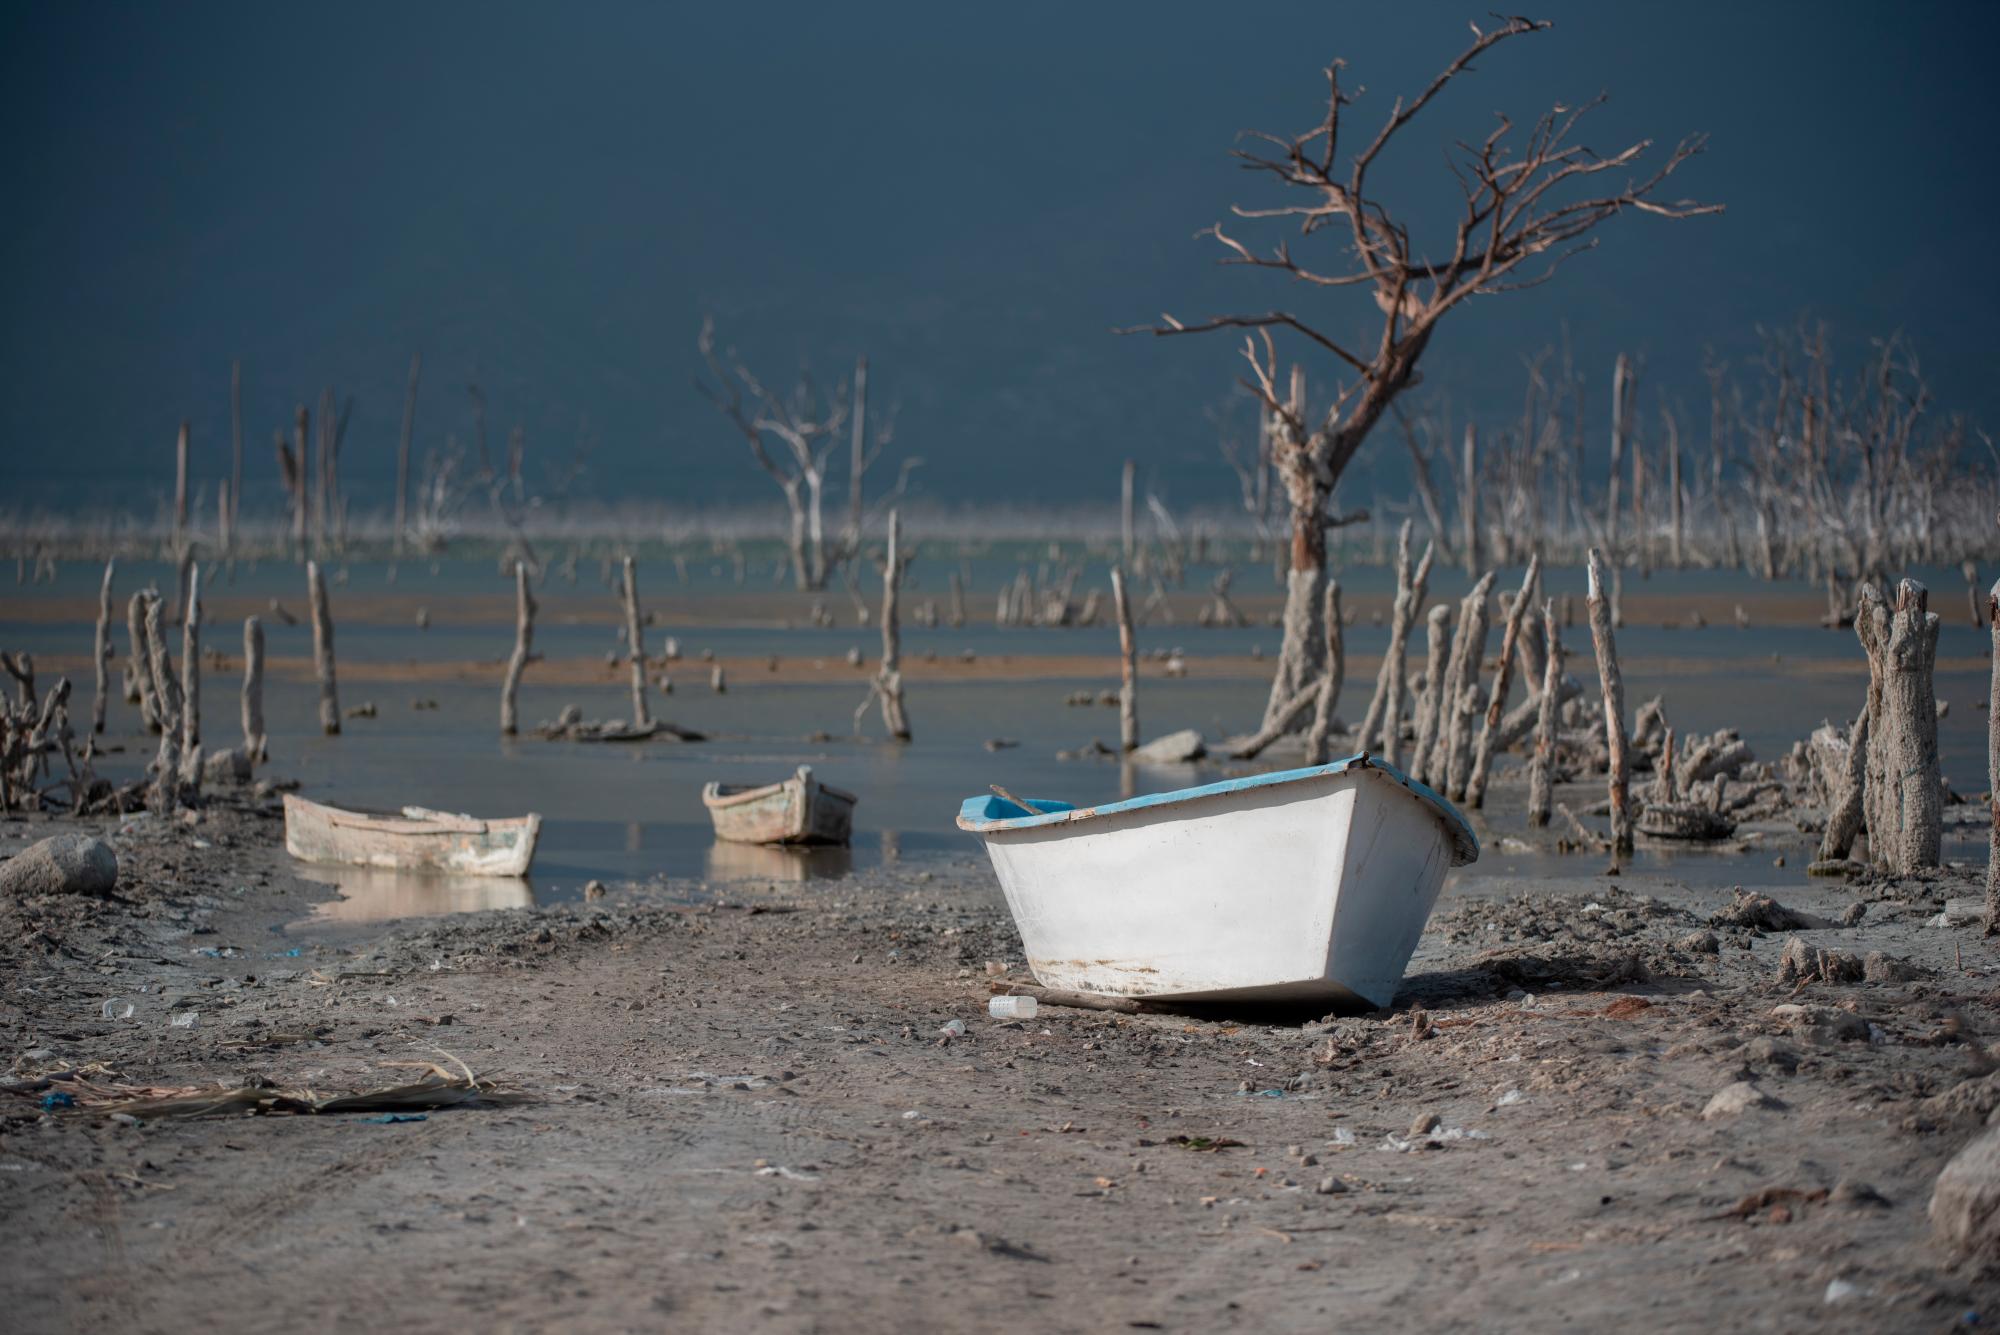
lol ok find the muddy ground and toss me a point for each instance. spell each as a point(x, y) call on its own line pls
point(738, 1111)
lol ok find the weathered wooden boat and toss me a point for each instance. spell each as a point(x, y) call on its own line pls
point(1305, 885)
point(798, 810)
point(417, 839)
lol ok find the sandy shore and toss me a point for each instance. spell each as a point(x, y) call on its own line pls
point(740, 1113)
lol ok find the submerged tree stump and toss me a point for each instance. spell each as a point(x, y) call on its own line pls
point(1503, 681)
point(254, 744)
point(139, 671)
point(102, 661)
point(1431, 703)
point(1541, 770)
point(159, 664)
point(1613, 687)
point(191, 683)
point(524, 643)
point(1128, 666)
point(1905, 803)
point(1331, 682)
point(887, 687)
point(635, 646)
point(1461, 687)
point(322, 624)
point(1843, 817)
point(1384, 721)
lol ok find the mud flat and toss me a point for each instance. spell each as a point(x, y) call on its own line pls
point(734, 1108)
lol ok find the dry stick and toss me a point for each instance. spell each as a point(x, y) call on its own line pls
point(166, 777)
point(1613, 686)
point(1128, 666)
point(141, 669)
point(524, 641)
point(254, 744)
point(635, 645)
point(1431, 702)
point(191, 684)
point(322, 624)
point(1843, 823)
point(1055, 996)
point(1503, 681)
point(1336, 672)
point(1993, 766)
point(1461, 701)
point(889, 677)
point(104, 651)
point(1541, 771)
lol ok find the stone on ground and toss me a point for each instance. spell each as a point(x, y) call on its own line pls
point(67, 864)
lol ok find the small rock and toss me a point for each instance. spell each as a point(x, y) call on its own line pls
point(1701, 941)
point(1882, 968)
point(1768, 1051)
point(1821, 1024)
point(1173, 749)
point(1424, 1124)
point(66, 864)
point(1852, 915)
point(1330, 1186)
point(1965, 1204)
point(1737, 1098)
point(1849, 1192)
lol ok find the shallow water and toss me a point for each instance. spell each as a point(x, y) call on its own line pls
point(634, 812)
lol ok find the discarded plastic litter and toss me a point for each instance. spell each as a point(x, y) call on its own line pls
point(953, 1029)
point(114, 1011)
point(57, 1099)
point(1511, 1097)
point(1013, 1008)
point(184, 1019)
point(387, 1119)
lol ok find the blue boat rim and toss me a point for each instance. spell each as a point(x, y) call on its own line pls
point(981, 815)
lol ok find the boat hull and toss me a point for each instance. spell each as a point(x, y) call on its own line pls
point(429, 841)
point(1312, 886)
point(799, 810)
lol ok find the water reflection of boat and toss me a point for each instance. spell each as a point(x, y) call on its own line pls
point(380, 894)
point(777, 862)
point(415, 839)
point(798, 810)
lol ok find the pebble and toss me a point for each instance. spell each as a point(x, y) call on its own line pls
point(1740, 1097)
point(1330, 1186)
point(66, 864)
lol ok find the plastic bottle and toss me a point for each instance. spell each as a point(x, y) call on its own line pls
point(1012, 1008)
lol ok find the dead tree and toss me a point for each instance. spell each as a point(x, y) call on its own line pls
point(1503, 681)
point(1613, 686)
point(191, 683)
point(166, 765)
point(1384, 720)
point(255, 745)
point(887, 686)
point(1461, 705)
point(635, 646)
point(1430, 705)
point(1905, 788)
point(103, 651)
point(1330, 683)
point(1128, 666)
point(140, 671)
point(524, 643)
point(1524, 212)
point(1541, 770)
point(804, 425)
point(322, 624)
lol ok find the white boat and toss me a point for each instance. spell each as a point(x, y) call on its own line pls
point(1306, 885)
point(418, 839)
point(798, 810)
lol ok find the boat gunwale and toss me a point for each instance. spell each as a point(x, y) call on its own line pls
point(1465, 843)
point(344, 818)
point(715, 794)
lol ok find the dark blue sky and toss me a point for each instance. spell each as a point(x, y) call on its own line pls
point(973, 196)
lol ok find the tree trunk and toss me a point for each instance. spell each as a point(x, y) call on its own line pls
point(101, 701)
point(1905, 812)
point(635, 646)
point(1330, 683)
point(1384, 720)
point(1843, 819)
point(524, 642)
point(1430, 705)
point(1128, 666)
point(1503, 681)
point(1461, 688)
point(141, 668)
point(1613, 686)
point(255, 745)
point(191, 683)
point(166, 766)
point(322, 624)
point(889, 677)
point(1541, 771)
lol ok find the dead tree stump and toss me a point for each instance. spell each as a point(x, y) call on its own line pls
point(159, 664)
point(1613, 686)
point(322, 624)
point(1905, 806)
point(1843, 817)
point(635, 646)
point(191, 683)
point(887, 687)
point(524, 643)
point(102, 662)
point(1503, 681)
point(1128, 666)
point(1541, 770)
point(1384, 721)
point(254, 745)
point(1330, 684)
point(1431, 703)
point(140, 670)
point(1461, 687)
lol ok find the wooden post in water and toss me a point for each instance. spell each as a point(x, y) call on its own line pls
point(1613, 687)
point(1541, 770)
point(322, 624)
point(524, 640)
point(1330, 684)
point(1905, 808)
point(1430, 704)
point(191, 683)
point(635, 646)
point(1503, 681)
point(104, 651)
point(1128, 666)
point(254, 743)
